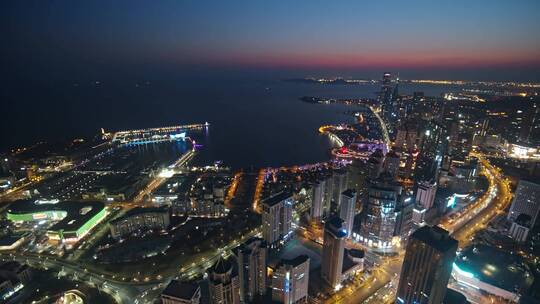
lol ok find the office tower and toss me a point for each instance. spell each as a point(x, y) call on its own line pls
point(317, 200)
point(181, 293)
point(348, 209)
point(433, 146)
point(526, 201)
point(277, 219)
point(404, 217)
point(333, 248)
point(290, 280)
point(427, 266)
point(340, 185)
point(391, 163)
point(379, 213)
point(328, 194)
point(251, 259)
point(425, 194)
point(223, 283)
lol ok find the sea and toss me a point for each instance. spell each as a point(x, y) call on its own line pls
point(253, 123)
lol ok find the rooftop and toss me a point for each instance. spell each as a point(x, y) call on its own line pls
point(181, 290)
point(350, 193)
point(140, 210)
point(276, 198)
point(435, 237)
point(294, 262)
point(496, 267)
point(77, 212)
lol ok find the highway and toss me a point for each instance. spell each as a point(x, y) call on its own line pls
point(386, 137)
point(476, 217)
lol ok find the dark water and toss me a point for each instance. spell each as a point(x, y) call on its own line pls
point(253, 123)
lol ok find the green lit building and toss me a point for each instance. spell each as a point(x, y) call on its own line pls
point(74, 219)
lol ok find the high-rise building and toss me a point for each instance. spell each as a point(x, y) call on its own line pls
point(328, 194)
point(340, 184)
point(425, 194)
point(433, 146)
point(332, 254)
point(251, 258)
point(223, 283)
point(404, 217)
point(181, 293)
point(391, 163)
point(379, 215)
point(290, 281)
point(277, 219)
point(526, 201)
point(427, 266)
point(317, 200)
point(348, 209)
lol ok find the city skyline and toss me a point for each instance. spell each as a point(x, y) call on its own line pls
point(304, 152)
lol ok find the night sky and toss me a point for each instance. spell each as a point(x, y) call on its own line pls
point(456, 39)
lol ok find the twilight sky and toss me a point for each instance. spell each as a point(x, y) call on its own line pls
point(497, 39)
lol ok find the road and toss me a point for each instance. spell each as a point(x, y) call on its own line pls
point(384, 130)
point(476, 217)
point(158, 180)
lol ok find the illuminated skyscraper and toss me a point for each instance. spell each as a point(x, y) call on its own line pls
point(347, 209)
point(277, 219)
point(379, 216)
point(290, 280)
point(340, 184)
point(427, 266)
point(251, 258)
point(333, 248)
point(317, 200)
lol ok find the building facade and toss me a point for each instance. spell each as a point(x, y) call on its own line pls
point(140, 218)
point(223, 283)
point(251, 258)
point(526, 201)
point(333, 249)
point(348, 209)
point(290, 281)
point(277, 219)
point(427, 266)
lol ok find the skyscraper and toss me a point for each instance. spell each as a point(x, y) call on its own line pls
point(340, 184)
point(347, 209)
point(277, 219)
point(391, 163)
point(526, 201)
point(425, 194)
point(379, 215)
point(332, 255)
point(223, 283)
point(427, 266)
point(290, 280)
point(251, 258)
point(317, 201)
